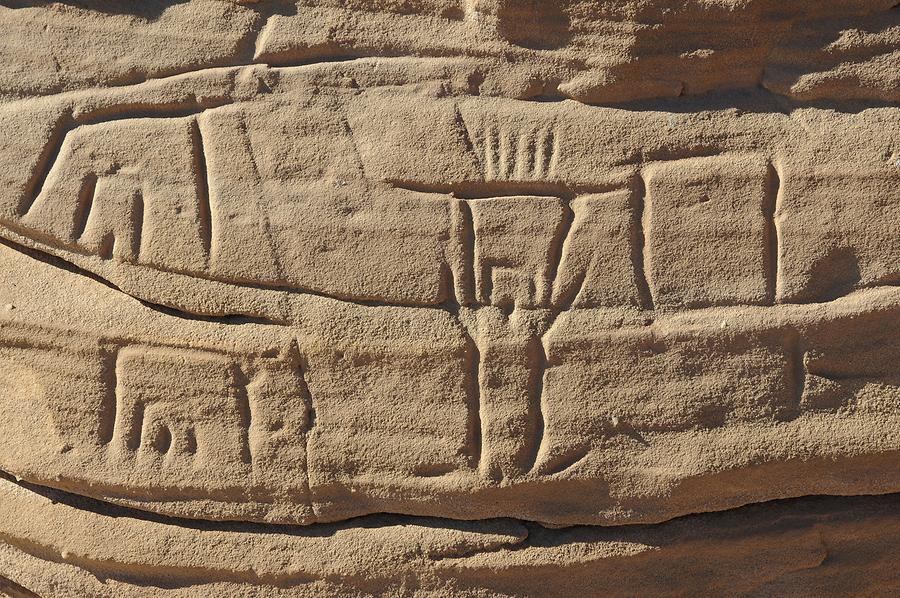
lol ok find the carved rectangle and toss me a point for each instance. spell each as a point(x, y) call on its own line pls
point(178, 411)
point(706, 230)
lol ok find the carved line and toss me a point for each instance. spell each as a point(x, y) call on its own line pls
point(475, 432)
point(536, 408)
point(257, 182)
point(558, 247)
point(796, 369)
point(110, 402)
point(773, 241)
point(566, 298)
point(526, 157)
point(140, 214)
point(463, 269)
point(464, 129)
point(132, 430)
point(86, 197)
point(204, 209)
point(641, 251)
point(554, 146)
point(301, 367)
point(245, 414)
point(492, 188)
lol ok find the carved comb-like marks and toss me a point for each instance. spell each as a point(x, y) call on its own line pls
point(509, 150)
point(179, 406)
point(514, 246)
point(597, 268)
point(127, 189)
point(708, 225)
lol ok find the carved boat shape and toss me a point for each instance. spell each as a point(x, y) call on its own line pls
point(525, 320)
point(211, 196)
point(477, 414)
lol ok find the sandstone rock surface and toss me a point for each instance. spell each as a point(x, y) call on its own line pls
point(450, 298)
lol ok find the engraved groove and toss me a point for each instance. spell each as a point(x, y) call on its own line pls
point(640, 247)
point(204, 209)
point(560, 242)
point(536, 414)
point(772, 232)
point(474, 404)
point(464, 275)
point(109, 404)
point(86, 197)
point(47, 158)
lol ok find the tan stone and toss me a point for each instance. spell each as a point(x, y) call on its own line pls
point(370, 297)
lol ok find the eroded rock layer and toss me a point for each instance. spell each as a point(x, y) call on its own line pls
point(351, 298)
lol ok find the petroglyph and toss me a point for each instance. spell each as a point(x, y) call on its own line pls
point(433, 277)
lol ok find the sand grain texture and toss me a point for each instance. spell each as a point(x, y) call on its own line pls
point(450, 298)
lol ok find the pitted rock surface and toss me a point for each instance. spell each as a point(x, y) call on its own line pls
point(449, 298)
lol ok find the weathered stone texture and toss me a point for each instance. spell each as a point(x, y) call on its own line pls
point(449, 298)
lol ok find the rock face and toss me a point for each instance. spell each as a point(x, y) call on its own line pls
point(450, 298)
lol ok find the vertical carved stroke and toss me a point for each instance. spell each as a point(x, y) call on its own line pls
point(537, 368)
point(553, 143)
point(109, 405)
point(463, 266)
point(301, 366)
point(474, 405)
point(558, 247)
point(464, 295)
point(244, 134)
point(773, 242)
point(204, 210)
point(796, 370)
point(539, 360)
point(86, 198)
point(139, 214)
point(244, 412)
point(641, 252)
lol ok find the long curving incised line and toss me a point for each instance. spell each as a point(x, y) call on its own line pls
point(47, 158)
point(10, 588)
point(517, 531)
point(63, 264)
